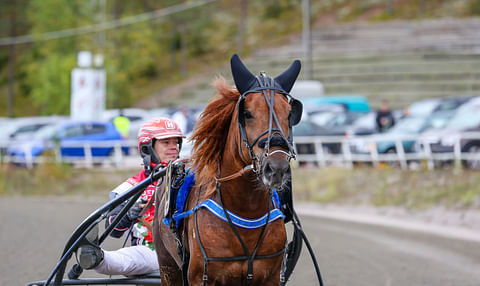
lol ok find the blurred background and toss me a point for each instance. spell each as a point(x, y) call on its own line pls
point(68, 69)
point(384, 82)
point(388, 84)
point(161, 53)
point(390, 89)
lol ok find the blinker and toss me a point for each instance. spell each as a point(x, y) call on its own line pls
point(295, 112)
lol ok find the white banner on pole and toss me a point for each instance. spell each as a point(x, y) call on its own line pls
point(88, 94)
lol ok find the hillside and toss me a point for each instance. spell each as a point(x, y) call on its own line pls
point(397, 49)
point(400, 60)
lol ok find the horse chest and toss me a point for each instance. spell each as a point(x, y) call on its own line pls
point(218, 236)
point(219, 241)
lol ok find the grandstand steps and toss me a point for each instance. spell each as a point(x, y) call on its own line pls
point(401, 61)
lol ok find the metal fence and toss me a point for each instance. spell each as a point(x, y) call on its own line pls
point(124, 154)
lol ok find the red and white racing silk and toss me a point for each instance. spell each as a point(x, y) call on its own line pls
point(140, 232)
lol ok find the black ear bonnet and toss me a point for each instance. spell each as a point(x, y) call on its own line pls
point(246, 83)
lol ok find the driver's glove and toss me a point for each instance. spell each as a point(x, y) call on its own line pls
point(135, 210)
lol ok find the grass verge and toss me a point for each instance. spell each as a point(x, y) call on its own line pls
point(452, 189)
point(60, 180)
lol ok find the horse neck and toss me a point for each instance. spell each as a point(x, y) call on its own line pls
point(240, 197)
point(244, 195)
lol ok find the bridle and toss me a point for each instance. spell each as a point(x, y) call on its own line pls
point(276, 136)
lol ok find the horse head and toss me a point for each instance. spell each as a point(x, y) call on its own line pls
point(266, 113)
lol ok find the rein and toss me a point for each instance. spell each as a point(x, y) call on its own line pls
point(240, 173)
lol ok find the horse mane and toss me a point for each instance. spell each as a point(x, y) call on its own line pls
point(210, 134)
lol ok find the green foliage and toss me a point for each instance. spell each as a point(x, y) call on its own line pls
point(146, 56)
point(50, 82)
point(3, 62)
point(474, 7)
point(274, 9)
point(47, 70)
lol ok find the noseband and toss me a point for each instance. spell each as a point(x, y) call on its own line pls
point(276, 136)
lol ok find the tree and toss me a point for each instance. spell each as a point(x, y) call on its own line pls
point(47, 77)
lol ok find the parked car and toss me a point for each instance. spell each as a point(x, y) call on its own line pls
point(307, 88)
point(429, 106)
point(70, 137)
point(334, 119)
point(308, 128)
point(366, 125)
point(17, 129)
point(438, 110)
point(408, 126)
point(466, 119)
point(352, 103)
point(21, 127)
point(162, 112)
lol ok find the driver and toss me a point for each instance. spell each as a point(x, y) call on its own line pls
point(159, 141)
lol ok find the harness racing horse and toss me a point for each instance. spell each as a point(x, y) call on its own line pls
point(241, 155)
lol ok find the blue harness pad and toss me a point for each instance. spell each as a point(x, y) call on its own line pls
point(182, 196)
point(217, 209)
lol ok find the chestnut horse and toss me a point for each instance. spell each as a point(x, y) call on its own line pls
point(241, 154)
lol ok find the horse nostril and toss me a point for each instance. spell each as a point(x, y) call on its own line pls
point(274, 172)
point(267, 170)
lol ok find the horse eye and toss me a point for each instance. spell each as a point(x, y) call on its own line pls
point(247, 114)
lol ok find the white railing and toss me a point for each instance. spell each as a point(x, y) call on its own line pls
point(122, 153)
point(348, 151)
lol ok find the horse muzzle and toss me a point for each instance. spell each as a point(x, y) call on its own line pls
point(275, 171)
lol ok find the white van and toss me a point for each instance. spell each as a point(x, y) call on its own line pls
point(307, 88)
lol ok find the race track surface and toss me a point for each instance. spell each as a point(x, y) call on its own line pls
point(35, 230)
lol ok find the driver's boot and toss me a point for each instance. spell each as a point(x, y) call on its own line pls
point(90, 253)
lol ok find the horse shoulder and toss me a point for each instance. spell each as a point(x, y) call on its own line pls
point(163, 237)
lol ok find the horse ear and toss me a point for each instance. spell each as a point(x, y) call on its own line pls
point(288, 77)
point(243, 78)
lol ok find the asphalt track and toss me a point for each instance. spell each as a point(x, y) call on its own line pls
point(351, 250)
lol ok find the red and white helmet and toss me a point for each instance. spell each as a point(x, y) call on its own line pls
point(156, 128)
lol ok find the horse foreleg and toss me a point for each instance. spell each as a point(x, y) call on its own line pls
point(170, 273)
point(171, 276)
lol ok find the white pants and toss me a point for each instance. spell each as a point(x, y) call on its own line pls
point(133, 260)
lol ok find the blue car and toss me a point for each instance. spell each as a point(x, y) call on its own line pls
point(352, 103)
point(71, 137)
